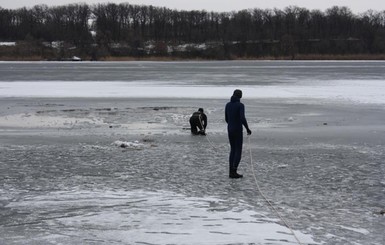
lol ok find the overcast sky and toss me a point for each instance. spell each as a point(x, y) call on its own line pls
point(357, 6)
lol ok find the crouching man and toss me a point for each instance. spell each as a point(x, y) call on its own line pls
point(198, 122)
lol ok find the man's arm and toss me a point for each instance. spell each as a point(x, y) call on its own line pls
point(243, 119)
point(204, 121)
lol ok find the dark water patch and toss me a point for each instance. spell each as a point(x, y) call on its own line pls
point(158, 108)
point(46, 112)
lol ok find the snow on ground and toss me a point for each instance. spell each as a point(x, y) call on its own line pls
point(361, 91)
point(7, 43)
point(130, 145)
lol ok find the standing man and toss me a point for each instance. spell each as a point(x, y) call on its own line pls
point(198, 120)
point(235, 119)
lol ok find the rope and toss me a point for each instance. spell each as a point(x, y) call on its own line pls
point(264, 197)
point(259, 189)
point(211, 143)
point(208, 139)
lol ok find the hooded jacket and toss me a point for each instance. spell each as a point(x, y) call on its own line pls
point(235, 115)
point(199, 118)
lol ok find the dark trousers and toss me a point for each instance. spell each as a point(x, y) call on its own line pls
point(236, 142)
point(195, 125)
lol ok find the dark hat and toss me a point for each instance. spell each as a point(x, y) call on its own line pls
point(238, 93)
point(200, 109)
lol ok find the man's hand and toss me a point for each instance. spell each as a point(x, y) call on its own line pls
point(248, 131)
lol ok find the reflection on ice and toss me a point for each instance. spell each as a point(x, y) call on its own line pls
point(140, 217)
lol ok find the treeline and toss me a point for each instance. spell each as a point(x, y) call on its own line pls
point(131, 30)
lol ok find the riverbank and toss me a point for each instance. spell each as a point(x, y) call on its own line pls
point(168, 58)
point(298, 57)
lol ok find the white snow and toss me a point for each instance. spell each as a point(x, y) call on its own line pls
point(76, 58)
point(358, 230)
point(130, 145)
point(57, 44)
point(7, 43)
point(358, 91)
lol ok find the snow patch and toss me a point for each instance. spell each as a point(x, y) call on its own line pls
point(7, 43)
point(130, 145)
point(358, 230)
point(364, 91)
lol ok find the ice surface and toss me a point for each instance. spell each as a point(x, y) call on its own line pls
point(346, 81)
point(140, 217)
point(363, 91)
point(317, 146)
point(26, 120)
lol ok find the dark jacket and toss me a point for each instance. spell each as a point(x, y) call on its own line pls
point(235, 115)
point(199, 119)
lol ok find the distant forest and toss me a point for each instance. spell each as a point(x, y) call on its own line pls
point(125, 30)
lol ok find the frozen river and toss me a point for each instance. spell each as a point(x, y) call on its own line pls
point(350, 81)
point(317, 150)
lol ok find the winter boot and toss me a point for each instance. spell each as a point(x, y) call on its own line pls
point(234, 175)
